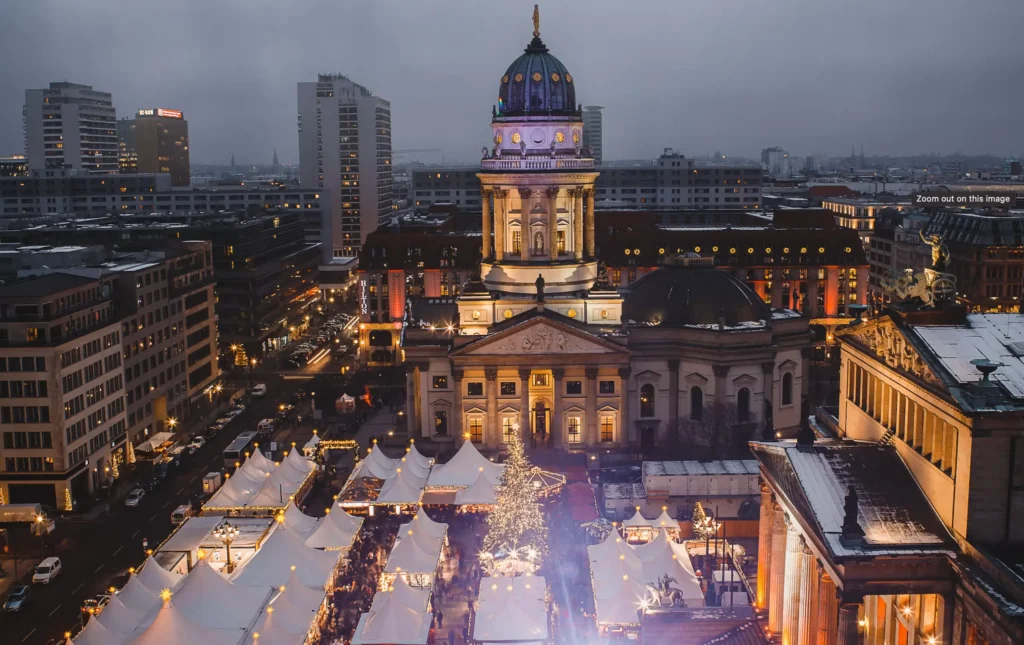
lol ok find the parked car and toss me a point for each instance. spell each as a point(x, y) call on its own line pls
point(96, 604)
point(223, 421)
point(47, 570)
point(134, 497)
point(259, 390)
point(18, 598)
point(240, 407)
point(198, 442)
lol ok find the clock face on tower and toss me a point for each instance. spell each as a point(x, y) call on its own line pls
point(559, 137)
point(575, 136)
point(516, 138)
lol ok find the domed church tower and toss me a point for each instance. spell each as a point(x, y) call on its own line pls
point(537, 185)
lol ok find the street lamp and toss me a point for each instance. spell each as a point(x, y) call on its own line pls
point(172, 422)
point(226, 533)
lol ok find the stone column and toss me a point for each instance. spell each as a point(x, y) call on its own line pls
point(457, 412)
point(500, 223)
point(553, 223)
point(492, 433)
point(791, 585)
point(811, 308)
point(849, 629)
point(776, 302)
point(525, 206)
point(809, 596)
point(576, 194)
point(768, 386)
point(556, 412)
point(524, 405)
point(827, 608)
point(777, 569)
point(591, 226)
point(591, 438)
point(764, 546)
point(486, 224)
point(862, 285)
point(673, 396)
point(625, 424)
point(410, 400)
point(831, 292)
point(721, 394)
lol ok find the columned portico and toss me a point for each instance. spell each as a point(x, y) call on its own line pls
point(764, 548)
point(827, 611)
point(849, 624)
point(791, 585)
point(524, 404)
point(487, 220)
point(776, 571)
point(809, 597)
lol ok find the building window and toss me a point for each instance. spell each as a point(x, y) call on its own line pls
point(696, 403)
point(508, 388)
point(475, 388)
point(517, 242)
point(508, 429)
point(476, 429)
point(743, 405)
point(647, 400)
point(441, 423)
point(574, 429)
point(440, 382)
point(787, 388)
point(574, 387)
point(561, 242)
point(541, 380)
point(607, 428)
point(606, 387)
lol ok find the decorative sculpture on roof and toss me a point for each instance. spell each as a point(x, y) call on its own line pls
point(852, 534)
point(536, 21)
point(940, 252)
point(663, 592)
point(540, 287)
point(929, 288)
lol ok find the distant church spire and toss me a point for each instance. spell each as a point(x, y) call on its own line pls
point(275, 158)
point(232, 160)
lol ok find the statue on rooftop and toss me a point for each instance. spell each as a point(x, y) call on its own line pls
point(540, 287)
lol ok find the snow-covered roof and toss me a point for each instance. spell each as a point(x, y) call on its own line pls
point(511, 610)
point(893, 512)
point(691, 468)
point(625, 490)
point(463, 469)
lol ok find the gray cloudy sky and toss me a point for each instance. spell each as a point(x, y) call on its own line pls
point(898, 76)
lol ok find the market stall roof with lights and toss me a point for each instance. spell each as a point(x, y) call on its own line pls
point(404, 487)
point(271, 565)
point(481, 493)
point(511, 610)
point(462, 470)
point(390, 622)
point(418, 547)
point(247, 491)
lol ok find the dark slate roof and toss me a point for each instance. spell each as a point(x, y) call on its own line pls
point(749, 633)
point(970, 229)
point(537, 84)
point(893, 512)
point(676, 296)
point(38, 287)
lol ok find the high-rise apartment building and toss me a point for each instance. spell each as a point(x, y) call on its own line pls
point(345, 151)
point(70, 125)
point(777, 162)
point(156, 140)
point(593, 133)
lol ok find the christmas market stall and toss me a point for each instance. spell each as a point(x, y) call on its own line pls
point(364, 484)
point(264, 487)
point(664, 559)
point(478, 497)
point(462, 470)
point(512, 610)
point(333, 532)
point(403, 489)
point(638, 529)
point(417, 553)
point(291, 617)
point(281, 554)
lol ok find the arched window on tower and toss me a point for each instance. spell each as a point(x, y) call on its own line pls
point(696, 403)
point(647, 400)
point(538, 243)
point(787, 388)
point(743, 405)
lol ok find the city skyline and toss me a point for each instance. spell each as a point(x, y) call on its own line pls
point(778, 78)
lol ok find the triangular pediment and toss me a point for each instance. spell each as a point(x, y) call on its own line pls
point(884, 340)
point(540, 336)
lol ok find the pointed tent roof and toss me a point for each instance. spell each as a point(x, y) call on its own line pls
point(392, 624)
point(637, 520)
point(481, 492)
point(463, 469)
point(421, 522)
point(331, 534)
point(257, 461)
point(616, 601)
point(295, 608)
point(155, 577)
point(300, 524)
point(137, 596)
point(403, 487)
point(238, 489)
point(413, 455)
point(663, 555)
point(272, 633)
point(210, 599)
point(172, 626)
point(404, 595)
point(665, 521)
point(416, 553)
point(511, 609)
point(415, 467)
point(119, 618)
point(271, 565)
point(618, 579)
point(96, 634)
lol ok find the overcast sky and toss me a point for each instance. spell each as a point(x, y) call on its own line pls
point(898, 76)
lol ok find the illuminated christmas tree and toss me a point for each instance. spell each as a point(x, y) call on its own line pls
point(131, 453)
point(516, 535)
point(68, 504)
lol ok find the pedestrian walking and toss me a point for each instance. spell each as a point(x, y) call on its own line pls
point(440, 619)
point(451, 637)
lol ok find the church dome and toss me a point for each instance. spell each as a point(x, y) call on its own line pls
point(537, 84)
point(689, 290)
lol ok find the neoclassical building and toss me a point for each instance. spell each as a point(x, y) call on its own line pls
point(540, 343)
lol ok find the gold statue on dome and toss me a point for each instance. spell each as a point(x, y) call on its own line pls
point(536, 21)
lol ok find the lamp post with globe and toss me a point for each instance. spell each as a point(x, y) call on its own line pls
point(226, 533)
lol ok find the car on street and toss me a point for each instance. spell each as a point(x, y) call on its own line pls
point(96, 604)
point(134, 497)
point(18, 598)
point(46, 570)
point(197, 442)
point(259, 389)
point(223, 421)
point(238, 407)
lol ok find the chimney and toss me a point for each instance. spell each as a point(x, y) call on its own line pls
point(852, 534)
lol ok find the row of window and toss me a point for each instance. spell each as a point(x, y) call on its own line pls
point(28, 464)
point(24, 414)
point(23, 364)
point(27, 440)
point(508, 388)
point(23, 389)
point(509, 427)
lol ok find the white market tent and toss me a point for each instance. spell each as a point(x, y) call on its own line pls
point(289, 617)
point(310, 447)
point(417, 550)
point(403, 487)
point(96, 634)
point(300, 524)
point(376, 465)
point(138, 597)
point(481, 493)
point(208, 598)
point(154, 442)
point(254, 487)
point(389, 622)
point(155, 577)
point(335, 531)
point(662, 521)
point(118, 618)
point(463, 469)
point(663, 555)
point(404, 594)
point(511, 610)
point(173, 626)
point(271, 565)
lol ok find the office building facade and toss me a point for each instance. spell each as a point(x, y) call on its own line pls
point(345, 153)
point(155, 141)
point(593, 132)
point(69, 125)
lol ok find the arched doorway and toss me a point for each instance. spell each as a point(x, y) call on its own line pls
point(540, 420)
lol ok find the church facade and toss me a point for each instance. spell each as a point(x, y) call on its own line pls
point(542, 345)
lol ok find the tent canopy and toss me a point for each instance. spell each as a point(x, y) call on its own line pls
point(210, 599)
point(392, 623)
point(337, 530)
point(463, 469)
point(511, 610)
point(482, 492)
point(403, 487)
point(404, 594)
point(271, 565)
point(662, 556)
point(173, 625)
point(154, 442)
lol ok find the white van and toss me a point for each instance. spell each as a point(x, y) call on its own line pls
point(265, 426)
point(259, 390)
point(181, 514)
point(46, 570)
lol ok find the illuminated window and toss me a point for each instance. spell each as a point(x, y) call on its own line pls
point(441, 422)
point(476, 429)
point(508, 429)
point(517, 241)
point(541, 380)
point(440, 382)
point(574, 429)
point(647, 400)
point(607, 428)
point(561, 241)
